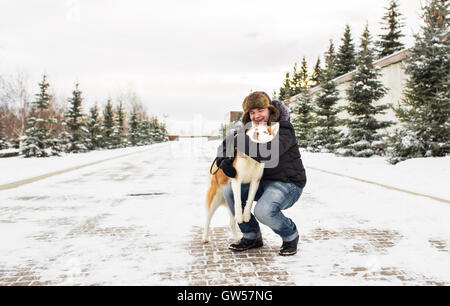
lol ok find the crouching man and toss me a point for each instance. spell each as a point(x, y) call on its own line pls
point(282, 182)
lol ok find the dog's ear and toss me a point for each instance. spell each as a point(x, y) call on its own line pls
point(269, 128)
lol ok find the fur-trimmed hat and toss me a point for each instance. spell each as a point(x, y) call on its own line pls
point(259, 99)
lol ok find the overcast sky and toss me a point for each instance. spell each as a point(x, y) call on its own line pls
point(186, 59)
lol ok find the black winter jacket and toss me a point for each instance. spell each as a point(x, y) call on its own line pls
point(290, 167)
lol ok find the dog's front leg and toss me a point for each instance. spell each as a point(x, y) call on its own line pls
point(251, 196)
point(236, 187)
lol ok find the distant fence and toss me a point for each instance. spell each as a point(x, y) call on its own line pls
point(178, 137)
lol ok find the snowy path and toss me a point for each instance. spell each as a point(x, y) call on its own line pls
point(138, 220)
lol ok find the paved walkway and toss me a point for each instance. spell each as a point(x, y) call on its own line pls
point(138, 220)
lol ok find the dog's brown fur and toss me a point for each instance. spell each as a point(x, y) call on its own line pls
point(216, 180)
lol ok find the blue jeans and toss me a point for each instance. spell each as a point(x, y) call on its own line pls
point(271, 197)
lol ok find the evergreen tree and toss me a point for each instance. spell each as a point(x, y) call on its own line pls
point(330, 62)
point(119, 127)
point(295, 82)
point(39, 140)
point(389, 42)
point(425, 107)
point(158, 132)
point(74, 122)
point(364, 138)
point(64, 139)
point(326, 136)
point(274, 95)
point(145, 132)
point(133, 131)
point(346, 57)
point(300, 79)
point(302, 119)
point(304, 76)
point(108, 126)
point(286, 90)
point(3, 142)
point(163, 133)
point(228, 129)
point(93, 126)
point(316, 75)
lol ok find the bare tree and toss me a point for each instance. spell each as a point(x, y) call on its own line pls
point(15, 103)
point(131, 100)
point(16, 106)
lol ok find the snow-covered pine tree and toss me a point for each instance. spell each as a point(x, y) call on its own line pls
point(346, 56)
point(145, 135)
point(304, 76)
point(39, 140)
point(108, 126)
point(156, 130)
point(300, 79)
point(133, 131)
point(316, 74)
point(74, 122)
point(389, 42)
point(119, 127)
point(295, 81)
point(93, 125)
point(330, 62)
point(286, 90)
point(64, 138)
point(274, 95)
point(228, 129)
point(425, 108)
point(364, 138)
point(164, 134)
point(326, 136)
point(3, 142)
point(302, 118)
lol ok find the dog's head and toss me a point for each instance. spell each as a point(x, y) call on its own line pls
point(261, 133)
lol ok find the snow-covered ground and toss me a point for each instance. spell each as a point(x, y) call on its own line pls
point(430, 176)
point(133, 218)
point(19, 168)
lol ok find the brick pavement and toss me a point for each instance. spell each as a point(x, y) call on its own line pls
point(21, 276)
point(215, 264)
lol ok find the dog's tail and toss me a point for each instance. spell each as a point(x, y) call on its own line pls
point(217, 182)
point(214, 199)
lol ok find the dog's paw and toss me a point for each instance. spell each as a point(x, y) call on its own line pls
point(246, 216)
point(239, 219)
point(205, 238)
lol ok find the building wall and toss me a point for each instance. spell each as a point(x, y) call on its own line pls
point(232, 116)
point(392, 76)
point(394, 79)
point(235, 115)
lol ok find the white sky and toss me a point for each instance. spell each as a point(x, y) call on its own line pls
point(186, 59)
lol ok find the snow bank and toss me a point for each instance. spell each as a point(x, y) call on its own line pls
point(422, 175)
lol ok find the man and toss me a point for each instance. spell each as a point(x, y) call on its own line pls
point(280, 186)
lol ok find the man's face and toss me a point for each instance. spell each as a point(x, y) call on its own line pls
point(259, 115)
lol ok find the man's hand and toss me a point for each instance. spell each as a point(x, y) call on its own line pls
point(227, 166)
